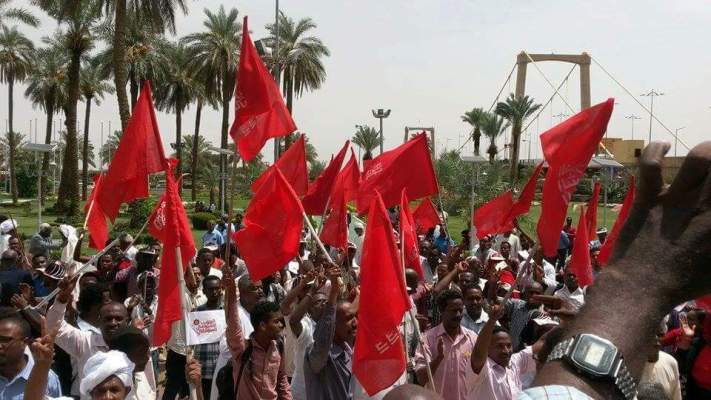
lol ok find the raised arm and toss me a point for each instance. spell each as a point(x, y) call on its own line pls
point(233, 334)
point(443, 283)
point(481, 347)
point(325, 327)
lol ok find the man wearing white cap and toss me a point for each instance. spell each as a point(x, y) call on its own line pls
point(8, 229)
point(41, 242)
point(358, 241)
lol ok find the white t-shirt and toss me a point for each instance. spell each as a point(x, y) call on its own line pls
point(298, 383)
point(664, 372)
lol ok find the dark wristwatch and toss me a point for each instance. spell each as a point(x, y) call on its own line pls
point(596, 358)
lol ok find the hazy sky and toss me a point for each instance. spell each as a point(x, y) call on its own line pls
point(429, 61)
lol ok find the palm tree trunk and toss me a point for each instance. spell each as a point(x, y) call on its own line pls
point(289, 106)
point(47, 140)
point(68, 196)
point(477, 140)
point(196, 141)
point(85, 151)
point(515, 147)
point(11, 139)
point(119, 59)
point(133, 87)
point(178, 138)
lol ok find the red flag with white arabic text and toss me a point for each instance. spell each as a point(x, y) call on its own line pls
point(260, 112)
point(292, 164)
point(169, 224)
point(406, 166)
point(568, 148)
point(580, 260)
point(139, 154)
point(426, 216)
point(408, 237)
point(379, 359)
point(272, 227)
point(95, 217)
point(335, 228)
point(319, 190)
point(609, 245)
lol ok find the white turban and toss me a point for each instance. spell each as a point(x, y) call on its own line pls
point(101, 366)
point(8, 225)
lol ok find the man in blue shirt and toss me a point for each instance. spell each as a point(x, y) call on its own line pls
point(212, 235)
point(16, 361)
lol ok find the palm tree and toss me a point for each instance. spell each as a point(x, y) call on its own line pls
point(474, 118)
point(516, 110)
point(15, 63)
point(215, 53)
point(177, 90)
point(46, 89)
point(492, 126)
point(78, 19)
point(201, 99)
point(107, 150)
point(300, 57)
point(160, 13)
point(8, 13)
point(202, 152)
point(368, 139)
point(93, 87)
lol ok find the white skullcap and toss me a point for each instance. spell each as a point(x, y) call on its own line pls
point(8, 225)
point(44, 226)
point(103, 365)
point(358, 225)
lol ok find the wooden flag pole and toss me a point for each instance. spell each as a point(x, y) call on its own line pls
point(315, 235)
point(185, 309)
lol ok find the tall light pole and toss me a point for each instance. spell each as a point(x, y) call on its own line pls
point(676, 136)
point(381, 114)
point(652, 94)
point(632, 117)
point(277, 70)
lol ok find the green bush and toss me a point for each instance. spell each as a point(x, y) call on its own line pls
point(200, 220)
point(26, 184)
point(139, 211)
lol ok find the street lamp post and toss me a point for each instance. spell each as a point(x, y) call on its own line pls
point(676, 136)
point(652, 94)
point(39, 148)
point(381, 114)
point(277, 69)
point(632, 117)
point(224, 153)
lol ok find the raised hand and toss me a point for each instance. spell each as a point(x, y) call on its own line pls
point(496, 312)
point(66, 287)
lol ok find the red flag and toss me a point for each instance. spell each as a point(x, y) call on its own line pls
point(426, 216)
point(272, 232)
point(408, 237)
point(704, 303)
point(493, 217)
point(95, 217)
point(591, 213)
point(335, 228)
point(606, 250)
point(292, 163)
point(406, 166)
point(169, 224)
point(379, 360)
point(317, 196)
point(139, 153)
point(523, 204)
point(580, 260)
point(568, 148)
point(260, 112)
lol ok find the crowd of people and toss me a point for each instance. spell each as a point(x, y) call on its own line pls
point(484, 312)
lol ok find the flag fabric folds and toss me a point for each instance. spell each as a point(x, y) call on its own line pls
point(406, 166)
point(95, 217)
point(139, 153)
point(169, 224)
point(292, 164)
point(335, 228)
point(568, 148)
point(580, 260)
point(408, 237)
point(426, 216)
point(591, 213)
point(272, 227)
point(523, 204)
point(379, 359)
point(260, 112)
point(317, 196)
point(609, 245)
point(494, 216)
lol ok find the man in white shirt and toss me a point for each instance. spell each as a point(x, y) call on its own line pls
point(475, 317)
point(513, 240)
point(662, 369)
point(571, 292)
point(358, 240)
point(301, 328)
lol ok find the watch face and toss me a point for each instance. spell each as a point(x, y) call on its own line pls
point(594, 355)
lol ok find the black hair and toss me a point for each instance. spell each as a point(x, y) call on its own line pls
point(474, 286)
point(202, 251)
point(261, 312)
point(90, 296)
point(39, 255)
point(446, 296)
point(244, 282)
point(210, 278)
point(498, 329)
point(21, 323)
point(128, 339)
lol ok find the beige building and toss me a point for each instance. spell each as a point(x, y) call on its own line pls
point(627, 152)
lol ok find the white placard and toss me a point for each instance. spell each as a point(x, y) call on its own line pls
point(205, 327)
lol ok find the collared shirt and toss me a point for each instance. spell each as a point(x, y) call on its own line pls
point(80, 344)
point(42, 245)
point(14, 389)
point(212, 237)
point(495, 382)
point(263, 377)
point(552, 392)
point(327, 365)
point(519, 315)
point(454, 376)
point(576, 298)
point(548, 277)
point(475, 325)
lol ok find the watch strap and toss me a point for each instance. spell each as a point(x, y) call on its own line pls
point(560, 350)
point(625, 382)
